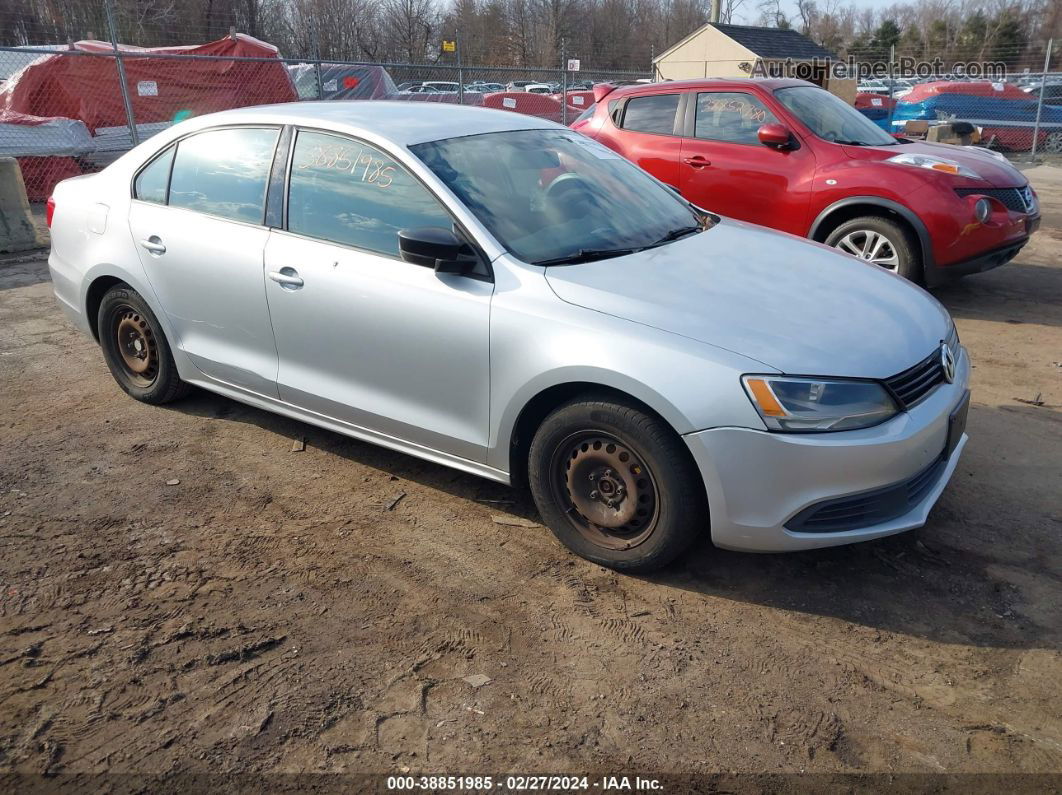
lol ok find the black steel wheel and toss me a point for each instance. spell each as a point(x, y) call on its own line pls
point(135, 348)
point(136, 344)
point(610, 494)
point(616, 484)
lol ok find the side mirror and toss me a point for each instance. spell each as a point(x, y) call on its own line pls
point(776, 135)
point(433, 247)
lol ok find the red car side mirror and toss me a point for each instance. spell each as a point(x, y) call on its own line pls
point(776, 135)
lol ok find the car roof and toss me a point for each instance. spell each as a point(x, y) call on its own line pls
point(712, 84)
point(403, 123)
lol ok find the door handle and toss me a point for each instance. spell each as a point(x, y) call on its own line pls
point(288, 278)
point(153, 245)
point(697, 161)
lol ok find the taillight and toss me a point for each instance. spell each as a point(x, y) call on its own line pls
point(49, 211)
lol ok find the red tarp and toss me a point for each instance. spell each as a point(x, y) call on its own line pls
point(541, 105)
point(86, 87)
point(40, 174)
point(924, 91)
point(865, 101)
point(577, 99)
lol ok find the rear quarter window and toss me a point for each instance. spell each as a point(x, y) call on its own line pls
point(651, 114)
point(153, 182)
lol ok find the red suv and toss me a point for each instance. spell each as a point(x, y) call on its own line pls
point(789, 155)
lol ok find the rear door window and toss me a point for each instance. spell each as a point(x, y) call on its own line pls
point(224, 172)
point(652, 114)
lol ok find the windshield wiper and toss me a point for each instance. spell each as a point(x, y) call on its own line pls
point(863, 143)
point(586, 255)
point(675, 234)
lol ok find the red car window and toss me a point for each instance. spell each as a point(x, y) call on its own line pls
point(652, 114)
point(733, 117)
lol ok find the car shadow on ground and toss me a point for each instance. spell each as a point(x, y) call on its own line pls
point(1018, 292)
point(941, 583)
point(436, 476)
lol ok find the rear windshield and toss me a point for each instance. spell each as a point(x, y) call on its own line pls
point(586, 114)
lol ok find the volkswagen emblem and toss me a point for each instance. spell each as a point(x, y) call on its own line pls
point(947, 362)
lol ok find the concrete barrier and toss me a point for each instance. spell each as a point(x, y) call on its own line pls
point(17, 230)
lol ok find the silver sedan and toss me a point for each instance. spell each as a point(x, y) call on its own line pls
point(501, 295)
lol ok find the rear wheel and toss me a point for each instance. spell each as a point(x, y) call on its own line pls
point(135, 349)
point(881, 241)
point(616, 485)
point(1053, 143)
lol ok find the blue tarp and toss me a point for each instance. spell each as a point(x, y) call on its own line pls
point(978, 110)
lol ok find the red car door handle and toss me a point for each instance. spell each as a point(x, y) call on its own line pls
point(697, 161)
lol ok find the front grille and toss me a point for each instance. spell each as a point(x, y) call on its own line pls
point(868, 508)
point(916, 382)
point(1019, 200)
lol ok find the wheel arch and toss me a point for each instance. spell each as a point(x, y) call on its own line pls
point(854, 206)
point(102, 277)
point(539, 406)
point(94, 297)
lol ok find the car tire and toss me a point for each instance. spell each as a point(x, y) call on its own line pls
point(898, 251)
point(590, 451)
point(135, 348)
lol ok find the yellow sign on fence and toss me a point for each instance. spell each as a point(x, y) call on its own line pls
point(449, 46)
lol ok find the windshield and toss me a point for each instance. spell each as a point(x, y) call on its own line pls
point(831, 118)
point(556, 196)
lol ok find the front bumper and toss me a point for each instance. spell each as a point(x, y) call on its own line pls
point(955, 243)
point(937, 275)
point(758, 482)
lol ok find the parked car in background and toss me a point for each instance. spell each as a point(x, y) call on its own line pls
point(519, 85)
point(1052, 92)
point(417, 88)
point(538, 88)
point(789, 155)
point(484, 88)
point(873, 87)
point(894, 87)
point(442, 85)
point(498, 294)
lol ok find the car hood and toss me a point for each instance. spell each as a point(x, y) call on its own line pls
point(796, 306)
point(995, 173)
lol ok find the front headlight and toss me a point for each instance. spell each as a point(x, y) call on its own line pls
point(818, 404)
point(934, 163)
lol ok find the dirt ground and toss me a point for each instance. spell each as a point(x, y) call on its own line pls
point(181, 591)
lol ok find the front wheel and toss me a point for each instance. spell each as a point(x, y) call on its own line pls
point(616, 485)
point(135, 348)
point(880, 241)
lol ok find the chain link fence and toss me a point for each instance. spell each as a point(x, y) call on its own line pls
point(68, 109)
point(75, 95)
point(1004, 98)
